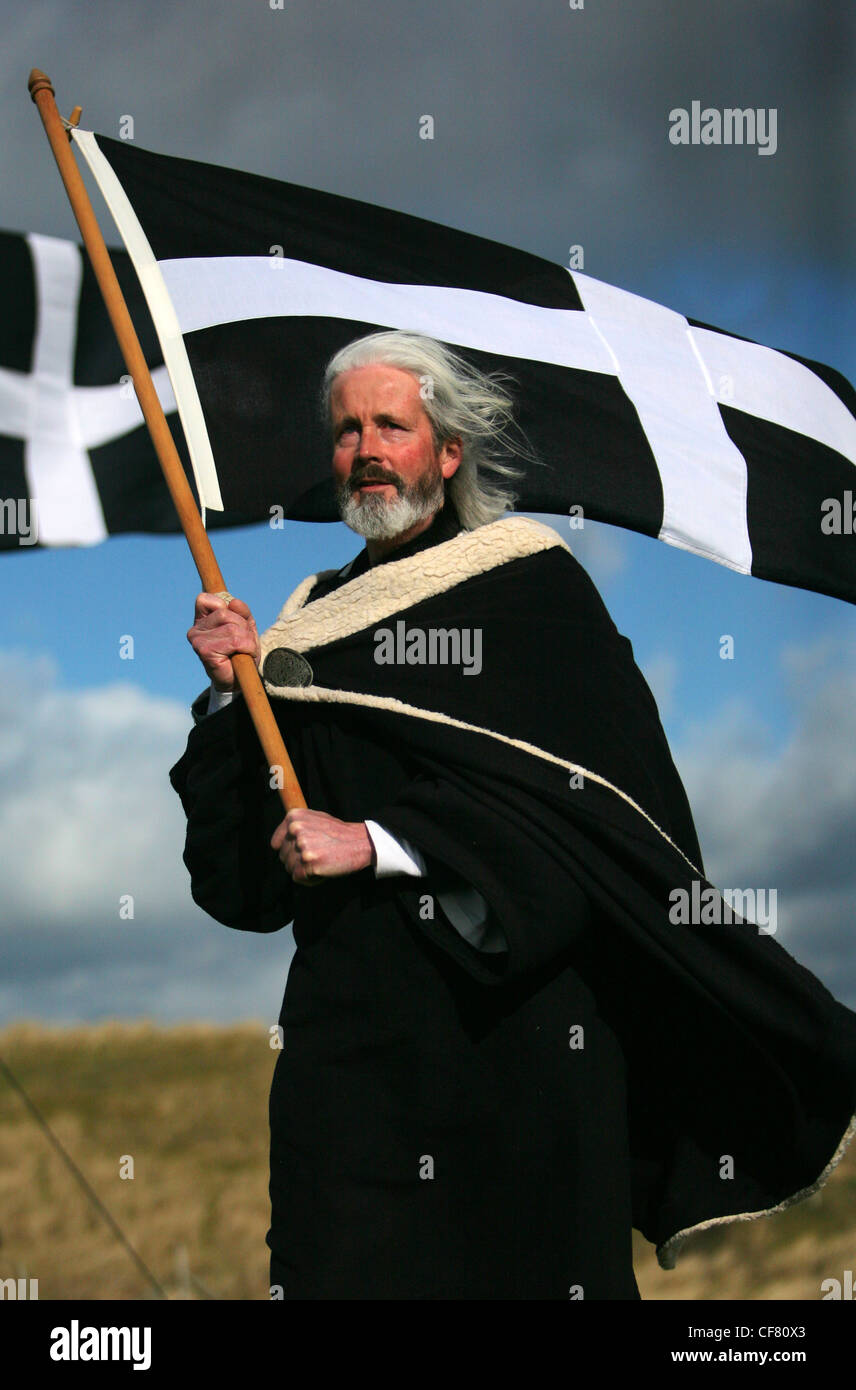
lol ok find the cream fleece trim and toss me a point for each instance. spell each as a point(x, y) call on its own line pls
point(317, 694)
point(668, 1252)
point(397, 584)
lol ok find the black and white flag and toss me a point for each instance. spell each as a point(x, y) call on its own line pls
point(76, 461)
point(643, 418)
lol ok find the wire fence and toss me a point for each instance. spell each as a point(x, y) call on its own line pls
point(92, 1196)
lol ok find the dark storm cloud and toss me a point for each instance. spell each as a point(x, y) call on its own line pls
point(551, 124)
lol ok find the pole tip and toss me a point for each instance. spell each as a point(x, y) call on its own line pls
point(39, 82)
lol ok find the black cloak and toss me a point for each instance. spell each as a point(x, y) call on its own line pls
point(450, 1123)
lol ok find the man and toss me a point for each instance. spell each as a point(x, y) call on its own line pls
point(499, 1052)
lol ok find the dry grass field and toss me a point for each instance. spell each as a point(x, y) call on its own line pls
point(189, 1105)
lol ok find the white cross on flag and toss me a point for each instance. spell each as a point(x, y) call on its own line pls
point(76, 460)
point(640, 416)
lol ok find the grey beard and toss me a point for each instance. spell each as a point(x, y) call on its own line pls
point(379, 520)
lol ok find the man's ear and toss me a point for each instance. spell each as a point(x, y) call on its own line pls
point(450, 455)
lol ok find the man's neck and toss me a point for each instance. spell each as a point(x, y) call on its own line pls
point(380, 549)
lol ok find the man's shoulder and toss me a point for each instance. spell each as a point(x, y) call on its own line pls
point(522, 562)
point(511, 538)
point(485, 550)
point(468, 552)
point(516, 554)
point(518, 531)
point(516, 559)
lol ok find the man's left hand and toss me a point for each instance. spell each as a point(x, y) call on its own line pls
point(314, 846)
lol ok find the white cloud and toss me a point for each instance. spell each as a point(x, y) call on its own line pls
point(87, 814)
point(785, 818)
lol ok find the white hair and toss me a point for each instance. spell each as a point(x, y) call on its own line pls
point(460, 401)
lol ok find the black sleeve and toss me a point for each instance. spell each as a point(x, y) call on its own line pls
point(467, 837)
point(232, 811)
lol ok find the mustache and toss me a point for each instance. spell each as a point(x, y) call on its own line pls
point(373, 475)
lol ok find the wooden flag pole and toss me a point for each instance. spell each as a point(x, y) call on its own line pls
point(42, 93)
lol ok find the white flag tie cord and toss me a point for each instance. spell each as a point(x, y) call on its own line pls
point(165, 320)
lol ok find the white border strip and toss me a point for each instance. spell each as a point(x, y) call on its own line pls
point(164, 318)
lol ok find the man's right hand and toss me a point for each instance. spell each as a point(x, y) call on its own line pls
point(220, 630)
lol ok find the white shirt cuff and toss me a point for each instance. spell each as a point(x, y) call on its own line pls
point(218, 699)
point(394, 856)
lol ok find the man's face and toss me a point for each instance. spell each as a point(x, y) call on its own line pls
point(387, 473)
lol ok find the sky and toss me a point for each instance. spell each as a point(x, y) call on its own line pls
point(551, 130)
